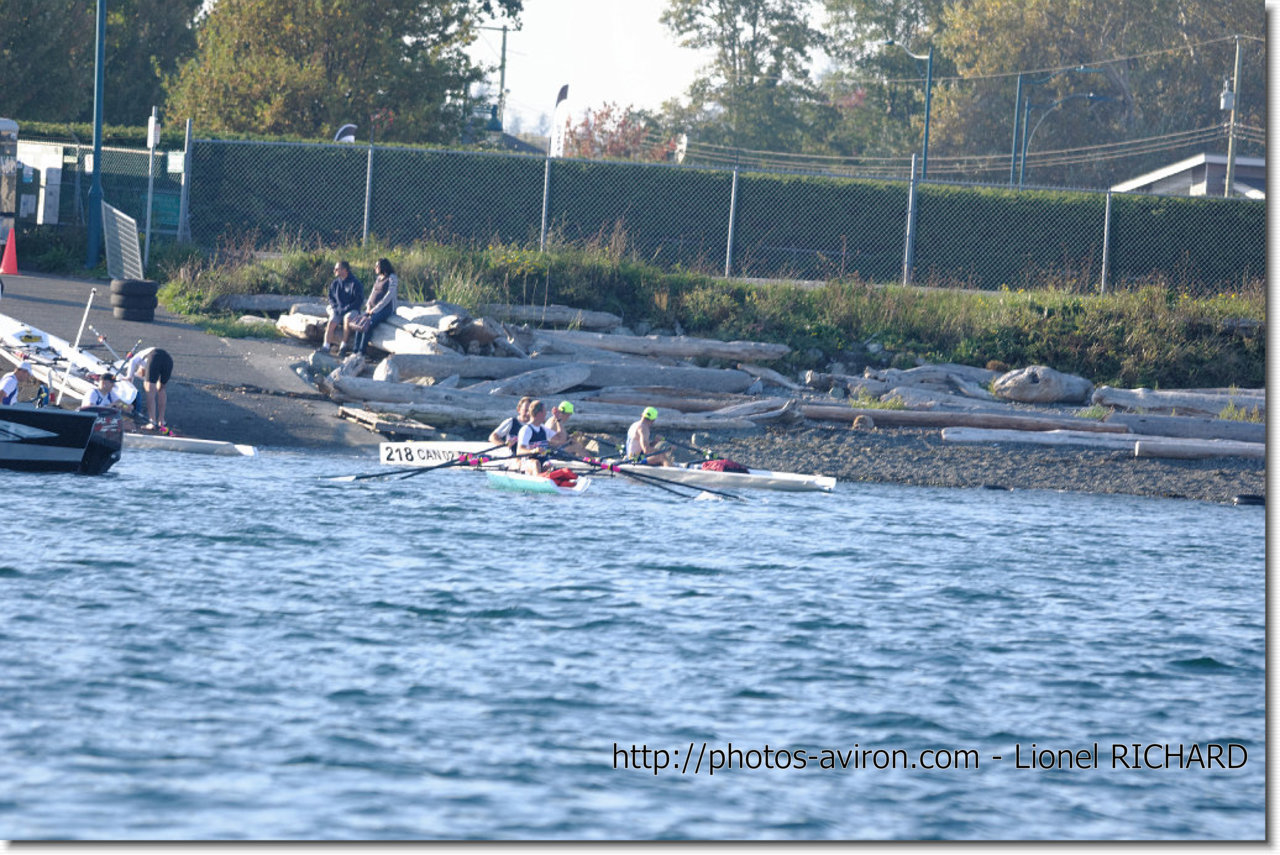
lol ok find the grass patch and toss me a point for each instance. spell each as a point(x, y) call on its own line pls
point(1097, 412)
point(864, 400)
point(1236, 413)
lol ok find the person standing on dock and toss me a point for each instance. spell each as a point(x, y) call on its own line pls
point(345, 296)
point(154, 367)
point(12, 382)
point(641, 447)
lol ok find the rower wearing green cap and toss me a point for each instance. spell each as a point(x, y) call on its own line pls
point(641, 447)
point(558, 430)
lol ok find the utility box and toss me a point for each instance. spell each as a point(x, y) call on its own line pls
point(8, 176)
point(45, 187)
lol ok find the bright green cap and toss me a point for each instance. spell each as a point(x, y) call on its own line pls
point(566, 407)
point(650, 413)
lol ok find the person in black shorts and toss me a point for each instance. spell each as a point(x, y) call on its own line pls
point(154, 366)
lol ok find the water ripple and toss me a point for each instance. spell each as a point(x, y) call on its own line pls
point(217, 672)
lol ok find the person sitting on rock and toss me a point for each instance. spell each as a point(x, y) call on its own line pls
point(345, 295)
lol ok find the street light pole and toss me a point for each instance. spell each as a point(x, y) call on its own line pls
point(1019, 111)
point(927, 59)
point(95, 187)
point(1048, 108)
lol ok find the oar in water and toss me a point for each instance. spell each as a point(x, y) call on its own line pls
point(410, 471)
point(653, 480)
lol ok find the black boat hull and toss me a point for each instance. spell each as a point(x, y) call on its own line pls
point(52, 440)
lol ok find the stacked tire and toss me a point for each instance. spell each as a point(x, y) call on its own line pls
point(134, 299)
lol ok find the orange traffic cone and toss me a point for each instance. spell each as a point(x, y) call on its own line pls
point(9, 265)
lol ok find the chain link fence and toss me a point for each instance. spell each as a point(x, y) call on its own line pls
point(722, 221)
point(62, 174)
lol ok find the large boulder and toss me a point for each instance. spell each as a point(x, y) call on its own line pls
point(1038, 384)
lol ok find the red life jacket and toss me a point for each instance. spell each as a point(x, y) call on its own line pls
point(563, 477)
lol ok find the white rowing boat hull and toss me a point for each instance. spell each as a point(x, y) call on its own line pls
point(523, 482)
point(54, 360)
point(162, 442)
point(755, 479)
point(430, 452)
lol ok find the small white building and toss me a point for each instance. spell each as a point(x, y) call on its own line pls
point(1202, 175)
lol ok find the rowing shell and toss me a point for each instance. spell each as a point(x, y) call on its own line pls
point(429, 452)
point(524, 482)
point(51, 356)
point(188, 444)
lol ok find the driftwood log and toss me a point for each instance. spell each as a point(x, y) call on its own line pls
point(437, 414)
point(849, 382)
point(538, 382)
point(768, 375)
point(917, 418)
point(405, 367)
point(680, 347)
point(942, 373)
point(1195, 449)
point(927, 398)
point(1111, 442)
point(1039, 384)
point(552, 314)
point(1191, 427)
point(1184, 402)
point(302, 327)
point(665, 397)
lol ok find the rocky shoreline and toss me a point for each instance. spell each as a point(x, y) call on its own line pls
point(920, 457)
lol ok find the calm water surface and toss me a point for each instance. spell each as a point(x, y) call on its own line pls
point(200, 647)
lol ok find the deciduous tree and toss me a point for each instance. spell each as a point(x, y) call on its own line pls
point(47, 56)
point(305, 67)
point(611, 132)
point(757, 92)
point(1163, 61)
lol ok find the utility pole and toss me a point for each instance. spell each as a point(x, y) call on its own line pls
point(502, 78)
point(1231, 128)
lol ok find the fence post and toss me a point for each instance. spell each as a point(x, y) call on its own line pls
point(184, 198)
point(1106, 244)
point(909, 253)
point(733, 220)
point(546, 197)
point(153, 137)
point(368, 193)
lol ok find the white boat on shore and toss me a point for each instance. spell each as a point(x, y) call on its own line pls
point(430, 452)
point(168, 442)
point(68, 371)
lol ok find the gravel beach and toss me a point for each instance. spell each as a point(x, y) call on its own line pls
point(920, 457)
